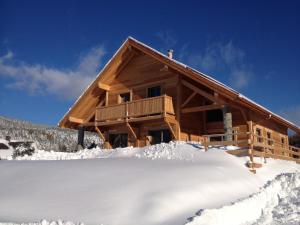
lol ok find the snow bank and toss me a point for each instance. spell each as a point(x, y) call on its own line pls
point(45, 222)
point(6, 153)
point(156, 185)
point(171, 151)
point(276, 203)
point(188, 151)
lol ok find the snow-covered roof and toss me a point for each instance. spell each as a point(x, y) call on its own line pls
point(243, 99)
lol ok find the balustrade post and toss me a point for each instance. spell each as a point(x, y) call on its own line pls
point(164, 105)
point(126, 111)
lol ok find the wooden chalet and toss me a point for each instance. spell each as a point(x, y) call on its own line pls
point(144, 97)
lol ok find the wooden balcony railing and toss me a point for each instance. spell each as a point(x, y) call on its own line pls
point(161, 105)
point(263, 146)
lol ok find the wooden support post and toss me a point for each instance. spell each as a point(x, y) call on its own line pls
point(80, 139)
point(227, 119)
point(250, 150)
point(203, 93)
point(164, 106)
point(100, 133)
point(178, 106)
point(131, 131)
point(188, 99)
point(106, 98)
point(171, 129)
point(205, 144)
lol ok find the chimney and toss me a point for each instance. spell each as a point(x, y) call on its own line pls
point(170, 54)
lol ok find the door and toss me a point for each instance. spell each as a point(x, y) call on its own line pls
point(118, 140)
point(159, 136)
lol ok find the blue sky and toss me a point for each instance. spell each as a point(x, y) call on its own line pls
point(51, 50)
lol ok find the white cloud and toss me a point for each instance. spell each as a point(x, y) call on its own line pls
point(225, 58)
point(292, 114)
point(167, 38)
point(40, 79)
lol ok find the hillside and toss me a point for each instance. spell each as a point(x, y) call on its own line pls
point(166, 184)
point(45, 137)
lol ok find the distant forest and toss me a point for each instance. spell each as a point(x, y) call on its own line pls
point(46, 137)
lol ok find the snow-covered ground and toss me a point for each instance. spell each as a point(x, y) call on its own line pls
point(5, 153)
point(176, 183)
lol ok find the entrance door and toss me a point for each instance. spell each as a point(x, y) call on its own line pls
point(159, 136)
point(118, 140)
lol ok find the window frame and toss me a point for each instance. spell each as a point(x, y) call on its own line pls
point(259, 137)
point(124, 92)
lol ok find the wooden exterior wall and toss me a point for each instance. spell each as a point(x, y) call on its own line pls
point(143, 72)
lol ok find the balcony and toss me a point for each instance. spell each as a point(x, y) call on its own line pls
point(137, 110)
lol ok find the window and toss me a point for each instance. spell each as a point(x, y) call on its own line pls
point(118, 140)
point(214, 115)
point(154, 91)
point(259, 135)
point(269, 138)
point(282, 142)
point(125, 97)
point(159, 136)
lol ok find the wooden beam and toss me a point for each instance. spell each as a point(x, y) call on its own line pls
point(76, 120)
point(178, 105)
point(90, 117)
point(106, 98)
point(202, 108)
point(103, 86)
point(141, 84)
point(131, 130)
point(100, 133)
point(171, 129)
point(202, 93)
point(188, 99)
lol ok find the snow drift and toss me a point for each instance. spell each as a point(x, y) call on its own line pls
point(277, 203)
point(156, 185)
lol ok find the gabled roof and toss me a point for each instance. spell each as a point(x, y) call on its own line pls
point(198, 76)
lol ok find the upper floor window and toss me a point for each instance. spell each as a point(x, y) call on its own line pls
point(282, 140)
point(269, 138)
point(154, 91)
point(124, 97)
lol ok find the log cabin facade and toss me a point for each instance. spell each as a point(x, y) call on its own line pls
point(144, 97)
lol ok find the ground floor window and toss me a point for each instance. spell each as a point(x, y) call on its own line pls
point(159, 136)
point(118, 140)
point(259, 136)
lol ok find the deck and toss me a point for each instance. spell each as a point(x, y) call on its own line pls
point(137, 110)
point(254, 145)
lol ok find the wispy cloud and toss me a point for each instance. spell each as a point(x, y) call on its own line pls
point(225, 58)
point(292, 114)
point(40, 79)
point(168, 39)
point(216, 58)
